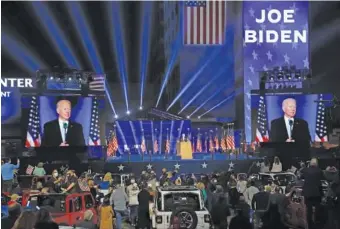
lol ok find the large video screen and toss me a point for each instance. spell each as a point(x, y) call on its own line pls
point(53, 121)
point(290, 118)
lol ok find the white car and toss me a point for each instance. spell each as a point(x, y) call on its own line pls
point(282, 177)
point(184, 202)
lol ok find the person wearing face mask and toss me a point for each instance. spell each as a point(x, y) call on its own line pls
point(71, 183)
point(132, 193)
point(54, 183)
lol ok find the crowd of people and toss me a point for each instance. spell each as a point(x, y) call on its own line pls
point(234, 201)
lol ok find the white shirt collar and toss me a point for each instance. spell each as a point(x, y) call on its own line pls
point(287, 119)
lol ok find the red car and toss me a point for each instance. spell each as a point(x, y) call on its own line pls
point(67, 209)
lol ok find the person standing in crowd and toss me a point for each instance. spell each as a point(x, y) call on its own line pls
point(39, 170)
point(277, 166)
point(220, 213)
point(143, 209)
point(14, 212)
point(278, 202)
point(27, 219)
point(241, 185)
point(233, 193)
point(240, 221)
point(87, 222)
point(119, 201)
point(106, 215)
point(132, 193)
point(7, 173)
point(44, 216)
point(312, 192)
point(250, 192)
point(260, 204)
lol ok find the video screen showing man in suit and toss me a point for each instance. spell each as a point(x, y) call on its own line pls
point(62, 131)
point(289, 128)
point(58, 121)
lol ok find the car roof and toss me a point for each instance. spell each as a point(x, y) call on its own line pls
point(178, 188)
point(278, 173)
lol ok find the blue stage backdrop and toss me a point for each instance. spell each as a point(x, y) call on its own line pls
point(86, 111)
point(307, 109)
point(265, 56)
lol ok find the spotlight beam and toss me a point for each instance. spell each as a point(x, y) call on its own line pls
point(55, 34)
point(118, 46)
point(145, 47)
point(194, 78)
point(17, 50)
point(232, 95)
point(208, 99)
point(202, 89)
point(85, 35)
point(134, 135)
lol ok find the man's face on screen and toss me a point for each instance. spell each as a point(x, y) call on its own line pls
point(64, 109)
point(290, 108)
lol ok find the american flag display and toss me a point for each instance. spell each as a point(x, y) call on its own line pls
point(155, 146)
point(211, 145)
point(265, 56)
point(142, 145)
point(167, 145)
point(97, 83)
point(262, 125)
point(94, 137)
point(199, 144)
point(321, 127)
point(230, 139)
point(206, 143)
point(217, 143)
point(33, 138)
point(112, 145)
point(223, 142)
point(29, 170)
point(204, 22)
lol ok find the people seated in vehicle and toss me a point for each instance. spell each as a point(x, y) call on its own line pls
point(71, 182)
point(87, 221)
point(54, 183)
point(108, 177)
point(201, 187)
point(250, 192)
point(93, 188)
point(39, 170)
point(220, 213)
point(83, 184)
point(277, 166)
point(14, 212)
point(106, 215)
point(265, 166)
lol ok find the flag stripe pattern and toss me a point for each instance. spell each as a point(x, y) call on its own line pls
point(33, 138)
point(112, 145)
point(204, 22)
point(143, 146)
point(199, 144)
point(167, 145)
point(321, 127)
point(230, 139)
point(98, 83)
point(211, 145)
point(262, 126)
point(94, 137)
point(29, 170)
point(217, 143)
point(155, 146)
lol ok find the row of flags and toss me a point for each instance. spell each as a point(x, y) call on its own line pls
point(208, 144)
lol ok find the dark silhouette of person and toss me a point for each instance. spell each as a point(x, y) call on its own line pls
point(63, 131)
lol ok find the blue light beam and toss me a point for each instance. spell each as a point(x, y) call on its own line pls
point(17, 50)
point(232, 95)
point(118, 46)
point(55, 34)
point(145, 46)
point(194, 78)
point(202, 90)
point(85, 35)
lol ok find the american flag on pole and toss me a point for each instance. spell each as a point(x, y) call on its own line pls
point(206, 143)
point(223, 143)
point(321, 127)
point(205, 22)
point(94, 137)
point(211, 145)
point(262, 126)
point(155, 146)
point(230, 138)
point(199, 144)
point(167, 145)
point(217, 143)
point(33, 138)
point(142, 145)
point(112, 145)
point(97, 83)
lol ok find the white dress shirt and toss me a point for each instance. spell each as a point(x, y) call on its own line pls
point(289, 129)
point(62, 129)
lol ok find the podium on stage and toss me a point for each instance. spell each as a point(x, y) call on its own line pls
point(184, 149)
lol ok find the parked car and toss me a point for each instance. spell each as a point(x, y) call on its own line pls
point(67, 208)
point(282, 179)
point(184, 202)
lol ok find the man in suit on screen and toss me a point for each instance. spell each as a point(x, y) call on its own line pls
point(288, 128)
point(62, 131)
